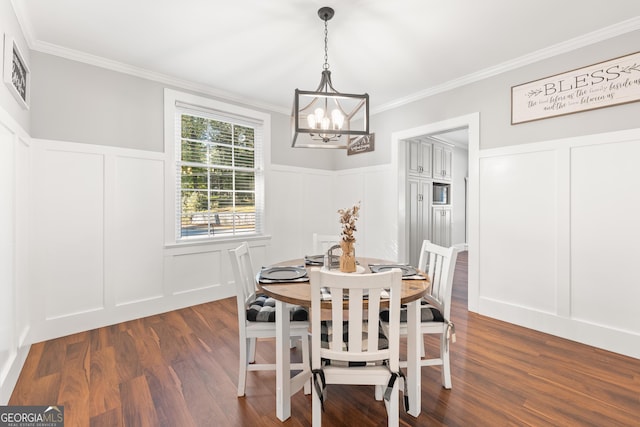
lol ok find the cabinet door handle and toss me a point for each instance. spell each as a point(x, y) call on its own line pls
point(420, 169)
point(420, 197)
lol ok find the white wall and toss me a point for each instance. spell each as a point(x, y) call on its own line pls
point(559, 232)
point(98, 254)
point(98, 257)
point(14, 303)
point(549, 213)
point(305, 201)
point(97, 233)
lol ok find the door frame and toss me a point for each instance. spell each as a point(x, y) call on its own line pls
point(398, 163)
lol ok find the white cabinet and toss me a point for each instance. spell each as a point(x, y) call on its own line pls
point(418, 213)
point(419, 159)
point(442, 162)
point(428, 162)
point(441, 232)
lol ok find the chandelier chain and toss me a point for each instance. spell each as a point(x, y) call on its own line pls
point(326, 50)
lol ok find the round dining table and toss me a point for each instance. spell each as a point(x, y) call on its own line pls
point(299, 293)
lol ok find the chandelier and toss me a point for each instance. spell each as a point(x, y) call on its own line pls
point(326, 118)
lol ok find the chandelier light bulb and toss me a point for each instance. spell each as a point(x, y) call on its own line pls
point(311, 121)
point(326, 123)
point(337, 118)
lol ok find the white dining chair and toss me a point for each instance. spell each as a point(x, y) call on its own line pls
point(439, 263)
point(256, 319)
point(350, 348)
point(322, 242)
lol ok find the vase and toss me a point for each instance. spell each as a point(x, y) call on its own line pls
point(348, 257)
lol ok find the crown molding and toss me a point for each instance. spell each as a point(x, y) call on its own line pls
point(602, 34)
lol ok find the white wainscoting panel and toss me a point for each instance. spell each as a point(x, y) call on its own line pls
point(559, 238)
point(317, 195)
point(15, 322)
point(299, 203)
point(320, 212)
point(22, 279)
point(191, 271)
point(605, 231)
point(136, 246)
point(98, 253)
point(7, 252)
point(68, 231)
point(376, 227)
point(380, 229)
point(349, 190)
point(517, 229)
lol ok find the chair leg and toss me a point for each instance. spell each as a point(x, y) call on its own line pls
point(379, 392)
point(446, 366)
point(306, 359)
point(316, 408)
point(393, 407)
point(251, 350)
point(242, 368)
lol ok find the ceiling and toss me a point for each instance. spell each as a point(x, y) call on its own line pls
point(259, 51)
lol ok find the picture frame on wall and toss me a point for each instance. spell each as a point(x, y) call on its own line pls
point(16, 73)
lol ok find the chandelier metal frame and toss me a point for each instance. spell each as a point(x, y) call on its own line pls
point(313, 125)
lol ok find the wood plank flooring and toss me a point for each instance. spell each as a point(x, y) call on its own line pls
point(180, 369)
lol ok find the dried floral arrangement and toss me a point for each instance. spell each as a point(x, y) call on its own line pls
point(348, 218)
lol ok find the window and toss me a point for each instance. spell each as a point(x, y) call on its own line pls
point(218, 171)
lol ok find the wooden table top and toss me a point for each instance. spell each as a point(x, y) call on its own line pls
point(299, 293)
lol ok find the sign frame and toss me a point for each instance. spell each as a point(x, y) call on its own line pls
point(600, 85)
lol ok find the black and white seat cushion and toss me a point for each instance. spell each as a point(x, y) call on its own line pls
point(428, 313)
point(263, 309)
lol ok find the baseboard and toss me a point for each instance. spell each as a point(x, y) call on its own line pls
point(9, 382)
point(615, 340)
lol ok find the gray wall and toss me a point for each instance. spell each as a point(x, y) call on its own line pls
point(492, 98)
point(77, 102)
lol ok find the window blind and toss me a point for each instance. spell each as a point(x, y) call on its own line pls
point(219, 173)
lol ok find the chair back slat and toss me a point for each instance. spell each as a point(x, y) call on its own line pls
point(365, 294)
point(242, 267)
point(439, 264)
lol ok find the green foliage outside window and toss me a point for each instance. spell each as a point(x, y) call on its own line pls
point(217, 170)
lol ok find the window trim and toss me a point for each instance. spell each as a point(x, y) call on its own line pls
point(173, 97)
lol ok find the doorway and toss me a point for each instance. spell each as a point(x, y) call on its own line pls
point(437, 168)
point(470, 123)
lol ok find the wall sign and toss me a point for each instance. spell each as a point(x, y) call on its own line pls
point(604, 84)
point(362, 144)
point(16, 72)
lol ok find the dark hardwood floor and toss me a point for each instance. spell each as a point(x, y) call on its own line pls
point(180, 369)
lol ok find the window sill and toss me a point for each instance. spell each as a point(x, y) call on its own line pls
point(224, 241)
